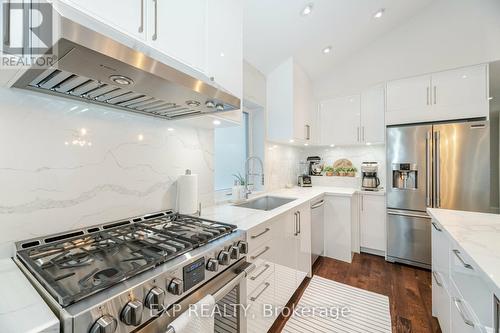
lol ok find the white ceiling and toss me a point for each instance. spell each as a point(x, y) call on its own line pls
point(274, 30)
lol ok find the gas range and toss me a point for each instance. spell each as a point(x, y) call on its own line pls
point(121, 275)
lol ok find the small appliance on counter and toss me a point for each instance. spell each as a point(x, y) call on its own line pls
point(304, 179)
point(315, 165)
point(370, 181)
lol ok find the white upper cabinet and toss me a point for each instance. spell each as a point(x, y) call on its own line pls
point(339, 120)
point(178, 29)
point(372, 115)
point(290, 104)
point(225, 45)
point(129, 18)
point(409, 100)
point(460, 93)
point(455, 94)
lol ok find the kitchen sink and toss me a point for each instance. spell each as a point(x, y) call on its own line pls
point(265, 203)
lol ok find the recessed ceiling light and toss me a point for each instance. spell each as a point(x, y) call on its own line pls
point(327, 50)
point(140, 137)
point(307, 10)
point(216, 122)
point(379, 13)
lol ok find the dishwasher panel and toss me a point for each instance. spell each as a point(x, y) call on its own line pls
point(317, 230)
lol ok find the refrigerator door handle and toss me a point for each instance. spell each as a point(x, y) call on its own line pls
point(408, 214)
point(428, 178)
point(437, 170)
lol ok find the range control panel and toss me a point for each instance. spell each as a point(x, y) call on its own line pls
point(193, 273)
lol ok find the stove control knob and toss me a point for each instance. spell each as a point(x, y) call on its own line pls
point(224, 258)
point(212, 265)
point(243, 246)
point(105, 324)
point(155, 298)
point(175, 286)
point(235, 252)
point(132, 313)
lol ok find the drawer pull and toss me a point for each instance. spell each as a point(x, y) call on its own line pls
point(260, 253)
point(458, 304)
point(253, 299)
point(434, 224)
point(258, 235)
point(266, 267)
point(466, 265)
point(435, 274)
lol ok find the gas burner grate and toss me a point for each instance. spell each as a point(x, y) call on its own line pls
point(74, 267)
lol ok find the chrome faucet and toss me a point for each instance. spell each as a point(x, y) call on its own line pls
point(247, 173)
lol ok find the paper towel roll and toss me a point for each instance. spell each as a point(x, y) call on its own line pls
point(187, 193)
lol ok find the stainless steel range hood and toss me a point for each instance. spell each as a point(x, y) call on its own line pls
point(94, 68)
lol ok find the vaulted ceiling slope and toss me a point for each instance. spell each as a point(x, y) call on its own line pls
point(274, 30)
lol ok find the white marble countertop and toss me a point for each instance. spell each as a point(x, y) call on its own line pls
point(479, 236)
point(246, 218)
point(22, 309)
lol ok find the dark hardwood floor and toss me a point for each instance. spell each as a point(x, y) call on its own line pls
point(408, 289)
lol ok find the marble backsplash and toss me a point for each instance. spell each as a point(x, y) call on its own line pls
point(281, 165)
point(67, 164)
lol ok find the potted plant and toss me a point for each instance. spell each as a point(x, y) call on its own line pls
point(351, 172)
point(342, 171)
point(328, 171)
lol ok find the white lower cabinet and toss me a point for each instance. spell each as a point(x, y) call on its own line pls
point(260, 302)
point(461, 298)
point(281, 251)
point(338, 227)
point(372, 223)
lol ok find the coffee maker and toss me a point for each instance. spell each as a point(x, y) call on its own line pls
point(369, 181)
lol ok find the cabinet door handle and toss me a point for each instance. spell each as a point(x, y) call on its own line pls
point(358, 134)
point(436, 279)
point(260, 253)
point(437, 171)
point(458, 304)
point(308, 132)
point(255, 277)
point(428, 93)
point(363, 133)
point(362, 203)
point(141, 27)
point(434, 224)
point(466, 265)
point(6, 28)
point(299, 223)
point(260, 234)
point(435, 94)
point(155, 34)
point(253, 299)
point(295, 220)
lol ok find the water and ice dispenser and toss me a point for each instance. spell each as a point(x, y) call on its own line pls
point(404, 176)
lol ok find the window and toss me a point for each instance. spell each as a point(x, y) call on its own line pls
point(231, 152)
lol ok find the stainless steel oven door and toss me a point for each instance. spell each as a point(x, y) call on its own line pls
point(227, 288)
point(497, 315)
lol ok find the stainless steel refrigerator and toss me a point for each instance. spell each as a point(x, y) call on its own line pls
point(445, 165)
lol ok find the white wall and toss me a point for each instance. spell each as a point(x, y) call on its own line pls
point(50, 185)
point(445, 35)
